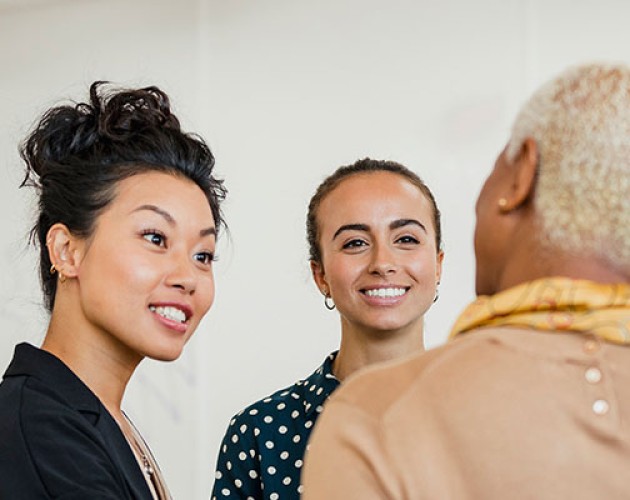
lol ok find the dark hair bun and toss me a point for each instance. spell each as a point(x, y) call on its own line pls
point(127, 113)
point(70, 132)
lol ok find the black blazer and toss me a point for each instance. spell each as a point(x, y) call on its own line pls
point(56, 438)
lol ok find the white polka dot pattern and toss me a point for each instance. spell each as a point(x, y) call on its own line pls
point(262, 451)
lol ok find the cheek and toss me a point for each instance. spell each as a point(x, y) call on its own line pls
point(340, 272)
point(205, 293)
point(139, 273)
point(123, 270)
point(425, 268)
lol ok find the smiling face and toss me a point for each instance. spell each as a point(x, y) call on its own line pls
point(379, 258)
point(144, 277)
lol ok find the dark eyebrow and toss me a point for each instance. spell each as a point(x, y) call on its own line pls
point(406, 222)
point(209, 231)
point(393, 225)
point(351, 227)
point(157, 210)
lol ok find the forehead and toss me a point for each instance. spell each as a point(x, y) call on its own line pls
point(179, 196)
point(374, 197)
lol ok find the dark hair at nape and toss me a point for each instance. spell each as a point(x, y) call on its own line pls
point(365, 165)
point(77, 154)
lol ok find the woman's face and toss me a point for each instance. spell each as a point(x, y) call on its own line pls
point(144, 276)
point(379, 258)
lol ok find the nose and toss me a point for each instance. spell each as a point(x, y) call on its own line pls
point(383, 260)
point(182, 275)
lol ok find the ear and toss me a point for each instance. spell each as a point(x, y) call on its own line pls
point(438, 266)
point(65, 250)
point(317, 270)
point(523, 172)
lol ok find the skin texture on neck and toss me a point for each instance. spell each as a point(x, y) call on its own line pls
point(104, 367)
point(532, 259)
point(360, 348)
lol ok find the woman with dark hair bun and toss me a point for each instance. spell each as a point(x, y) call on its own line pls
point(128, 216)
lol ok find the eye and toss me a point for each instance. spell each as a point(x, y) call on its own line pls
point(155, 237)
point(205, 258)
point(355, 243)
point(408, 240)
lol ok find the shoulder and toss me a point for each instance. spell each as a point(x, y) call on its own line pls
point(297, 397)
point(36, 406)
point(280, 400)
point(49, 445)
point(47, 423)
point(455, 368)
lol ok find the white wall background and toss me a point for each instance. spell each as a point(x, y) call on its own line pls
point(284, 91)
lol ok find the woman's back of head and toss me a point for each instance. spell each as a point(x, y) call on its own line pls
point(581, 124)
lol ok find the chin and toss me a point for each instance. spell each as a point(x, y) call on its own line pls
point(387, 327)
point(165, 354)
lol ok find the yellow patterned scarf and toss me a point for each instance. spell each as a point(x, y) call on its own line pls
point(555, 304)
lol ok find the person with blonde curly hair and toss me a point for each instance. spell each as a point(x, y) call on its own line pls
point(531, 397)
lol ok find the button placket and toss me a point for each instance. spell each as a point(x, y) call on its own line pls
point(593, 376)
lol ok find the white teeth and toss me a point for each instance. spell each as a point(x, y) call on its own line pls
point(169, 312)
point(385, 292)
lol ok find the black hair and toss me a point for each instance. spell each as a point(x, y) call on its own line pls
point(77, 154)
point(366, 165)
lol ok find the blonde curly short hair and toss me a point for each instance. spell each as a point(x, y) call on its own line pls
point(581, 124)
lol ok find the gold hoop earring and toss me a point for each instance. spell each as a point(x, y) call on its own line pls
point(53, 270)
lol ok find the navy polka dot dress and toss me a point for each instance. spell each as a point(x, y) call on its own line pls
point(263, 449)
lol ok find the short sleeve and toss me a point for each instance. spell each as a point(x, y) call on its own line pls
point(238, 464)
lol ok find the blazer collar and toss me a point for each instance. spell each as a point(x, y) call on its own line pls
point(50, 370)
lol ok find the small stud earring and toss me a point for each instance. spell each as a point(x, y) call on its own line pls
point(502, 203)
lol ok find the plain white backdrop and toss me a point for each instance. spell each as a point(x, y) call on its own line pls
point(284, 91)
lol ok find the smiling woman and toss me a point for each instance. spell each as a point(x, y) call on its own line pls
point(374, 234)
point(129, 212)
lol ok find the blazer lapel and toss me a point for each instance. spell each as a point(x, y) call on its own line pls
point(123, 456)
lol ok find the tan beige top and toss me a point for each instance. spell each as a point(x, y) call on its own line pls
point(147, 463)
point(498, 413)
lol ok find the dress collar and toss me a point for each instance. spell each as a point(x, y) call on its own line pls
point(319, 385)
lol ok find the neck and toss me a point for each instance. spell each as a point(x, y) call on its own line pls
point(550, 263)
point(361, 347)
point(530, 258)
point(94, 356)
